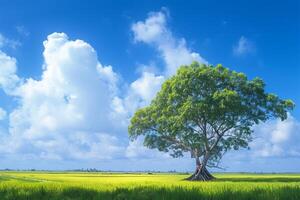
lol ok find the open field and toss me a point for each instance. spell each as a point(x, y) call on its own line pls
point(64, 185)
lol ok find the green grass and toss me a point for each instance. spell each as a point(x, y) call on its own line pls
point(60, 186)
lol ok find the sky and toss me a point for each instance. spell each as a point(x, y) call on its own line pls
point(72, 74)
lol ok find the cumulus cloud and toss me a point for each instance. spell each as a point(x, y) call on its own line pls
point(75, 109)
point(243, 46)
point(68, 112)
point(277, 138)
point(146, 86)
point(174, 52)
point(154, 31)
point(8, 78)
point(139, 94)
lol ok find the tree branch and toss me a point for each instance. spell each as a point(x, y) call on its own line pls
point(183, 146)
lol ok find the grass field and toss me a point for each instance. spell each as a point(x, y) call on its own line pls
point(50, 185)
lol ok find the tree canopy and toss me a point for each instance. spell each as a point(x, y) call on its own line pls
point(206, 110)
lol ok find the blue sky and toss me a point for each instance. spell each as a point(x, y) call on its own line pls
point(72, 74)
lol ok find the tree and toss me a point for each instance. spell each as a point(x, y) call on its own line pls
point(206, 111)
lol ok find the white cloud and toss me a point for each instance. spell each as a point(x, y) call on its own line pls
point(174, 52)
point(277, 138)
point(147, 86)
point(75, 111)
point(2, 114)
point(137, 95)
point(243, 46)
point(136, 149)
point(68, 112)
point(5, 42)
point(8, 78)
point(22, 31)
point(154, 31)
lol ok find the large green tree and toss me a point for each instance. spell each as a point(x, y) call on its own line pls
point(206, 110)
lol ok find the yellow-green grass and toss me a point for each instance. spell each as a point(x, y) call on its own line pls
point(55, 185)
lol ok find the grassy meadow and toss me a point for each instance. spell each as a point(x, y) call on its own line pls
point(121, 186)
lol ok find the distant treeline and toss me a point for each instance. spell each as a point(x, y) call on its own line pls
point(136, 172)
point(94, 170)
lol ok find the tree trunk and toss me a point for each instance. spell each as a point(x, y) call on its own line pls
point(201, 173)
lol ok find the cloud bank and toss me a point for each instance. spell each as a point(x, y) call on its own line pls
point(77, 110)
point(68, 113)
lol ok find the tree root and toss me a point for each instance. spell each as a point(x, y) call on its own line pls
point(201, 174)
